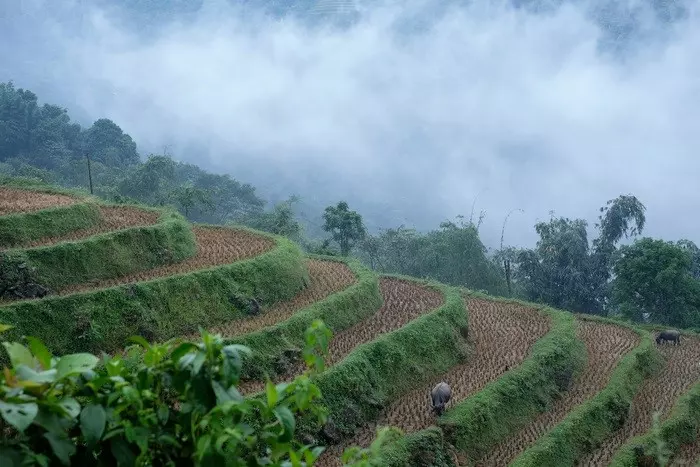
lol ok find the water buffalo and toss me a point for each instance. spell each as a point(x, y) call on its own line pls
point(439, 396)
point(669, 335)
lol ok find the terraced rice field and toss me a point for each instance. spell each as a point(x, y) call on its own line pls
point(113, 218)
point(688, 455)
point(326, 278)
point(605, 344)
point(680, 372)
point(404, 301)
point(502, 335)
point(216, 246)
point(14, 200)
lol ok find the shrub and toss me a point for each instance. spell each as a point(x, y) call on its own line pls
point(179, 406)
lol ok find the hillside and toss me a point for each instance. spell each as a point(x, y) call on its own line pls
point(530, 385)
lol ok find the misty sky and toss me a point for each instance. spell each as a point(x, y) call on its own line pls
point(522, 109)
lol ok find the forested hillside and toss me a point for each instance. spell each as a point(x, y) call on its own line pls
point(649, 280)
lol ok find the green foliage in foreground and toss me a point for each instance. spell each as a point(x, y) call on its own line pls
point(158, 309)
point(512, 401)
point(681, 427)
point(22, 228)
point(275, 347)
point(179, 406)
point(590, 423)
point(108, 255)
point(356, 389)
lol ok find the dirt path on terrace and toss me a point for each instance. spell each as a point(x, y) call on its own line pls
point(216, 246)
point(680, 372)
point(326, 278)
point(502, 335)
point(605, 345)
point(404, 301)
point(113, 218)
point(13, 200)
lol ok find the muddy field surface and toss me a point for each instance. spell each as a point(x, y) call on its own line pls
point(113, 218)
point(680, 372)
point(216, 246)
point(688, 455)
point(326, 278)
point(403, 302)
point(501, 334)
point(17, 201)
point(605, 345)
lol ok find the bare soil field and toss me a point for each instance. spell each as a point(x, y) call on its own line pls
point(113, 218)
point(659, 393)
point(13, 200)
point(502, 335)
point(216, 246)
point(327, 278)
point(688, 455)
point(605, 344)
point(403, 302)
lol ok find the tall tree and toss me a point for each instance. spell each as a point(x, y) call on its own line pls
point(653, 282)
point(345, 226)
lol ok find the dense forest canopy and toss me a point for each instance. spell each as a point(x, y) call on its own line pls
point(648, 280)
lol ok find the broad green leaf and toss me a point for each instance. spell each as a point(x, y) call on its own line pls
point(163, 413)
point(198, 361)
point(92, 423)
point(19, 354)
point(5, 327)
point(75, 363)
point(235, 394)
point(40, 351)
point(221, 394)
point(62, 447)
point(25, 373)
point(10, 457)
point(71, 406)
point(182, 350)
point(122, 452)
point(271, 392)
point(286, 418)
point(19, 415)
point(140, 341)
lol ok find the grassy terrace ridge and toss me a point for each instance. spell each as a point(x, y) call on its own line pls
point(509, 403)
point(162, 308)
point(357, 387)
point(25, 226)
point(592, 421)
point(682, 426)
point(108, 255)
point(338, 311)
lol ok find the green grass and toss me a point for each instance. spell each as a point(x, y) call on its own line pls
point(681, 427)
point(338, 311)
point(512, 401)
point(590, 423)
point(21, 228)
point(158, 309)
point(425, 448)
point(109, 255)
point(372, 376)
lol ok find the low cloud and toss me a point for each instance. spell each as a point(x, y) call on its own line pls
point(522, 109)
